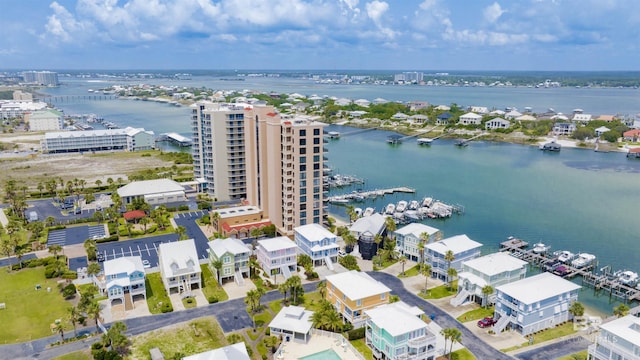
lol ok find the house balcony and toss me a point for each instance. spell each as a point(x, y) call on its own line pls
point(422, 341)
point(608, 352)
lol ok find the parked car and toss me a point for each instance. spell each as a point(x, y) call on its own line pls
point(146, 264)
point(342, 253)
point(100, 257)
point(486, 322)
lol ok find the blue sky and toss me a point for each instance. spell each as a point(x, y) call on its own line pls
point(321, 34)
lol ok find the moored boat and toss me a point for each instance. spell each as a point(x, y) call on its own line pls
point(540, 248)
point(628, 278)
point(583, 260)
point(413, 205)
point(425, 141)
point(389, 209)
point(565, 256)
point(402, 206)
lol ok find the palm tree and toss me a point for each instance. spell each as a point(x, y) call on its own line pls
point(295, 284)
point(283, 288)
point(426, 271)
point(446, 333)
point(93, 311)
point(60, 328)
point(74, 318)
point(621, 310)
point(90, 248)
point(486, 291)
point(449, 257)
point(40, 188)
point(390, 225)
point(217, 264)
point(145, 221)
point(576, 309)
point(451, 273)
point(215, 217)
point(403, 261)
point(351, 211)
point(259, 294)
point(349, 241)
point(252, 299)
point(182, 231)
point(93, 269)
point(6, 247)
point(424, 238)
point(49, 221)
point(98, 183)
point(19, 251)
point(322, 288)
point(455, 336)
point(332, 321)
point(55, 249)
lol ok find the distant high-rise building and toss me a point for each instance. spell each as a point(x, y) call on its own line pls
point(44, 78)
point(251, 152)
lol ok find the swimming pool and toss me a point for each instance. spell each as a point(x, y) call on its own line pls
point(328, 354)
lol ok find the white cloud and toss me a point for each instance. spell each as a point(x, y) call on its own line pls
point(493, 12)
point(482, 37)
point(376, 9)
point(62, 26)
point(352, 4)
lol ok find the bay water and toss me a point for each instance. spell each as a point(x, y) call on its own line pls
point(576, 200)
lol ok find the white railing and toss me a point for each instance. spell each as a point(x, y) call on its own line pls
point(239, 279)
point(327, 260)
point(286, 272)
point(344, 341)
point(460, 298)
point(501, 324)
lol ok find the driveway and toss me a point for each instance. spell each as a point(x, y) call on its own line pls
point(188, 220)
point(477, 346)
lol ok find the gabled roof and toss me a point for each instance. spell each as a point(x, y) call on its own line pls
point(416, 229)
point(397, 318)
point(134, 214)
point(445, 116)
point(537, 288)
point(457, 244)
point(232, 352)
point(471, 115)
point(293, 318)
point(357, 285)
point(374, 224)
point(229, 245)
point(496, 263)
point(277, 243)
point(179, 255)
point(314, 232)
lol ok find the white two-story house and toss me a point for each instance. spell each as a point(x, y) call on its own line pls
point(179, 266)
point(493, 270)
point(234, 256)
point(278, 255)
point(124, 280)
point(619, 339)
point(317, 242)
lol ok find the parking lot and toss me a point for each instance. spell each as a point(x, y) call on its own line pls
point(147, 248)
point(47, 207)
point(188, 220)
point(75, 235)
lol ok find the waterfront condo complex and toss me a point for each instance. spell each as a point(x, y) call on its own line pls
point(251, 152)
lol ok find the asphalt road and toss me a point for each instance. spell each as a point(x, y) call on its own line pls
point(188, 220)
point(556, 350)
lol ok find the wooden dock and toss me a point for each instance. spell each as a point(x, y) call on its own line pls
point(345, 198)
point(548, 262)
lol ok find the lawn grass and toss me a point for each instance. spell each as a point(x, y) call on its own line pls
point(476, 314)
point(156, 294)
point(29, 312)
point(362, 348)
point(76, 355)
point(312, 301)
point(263, 318)
point(262, 349)
point(462, 354)
point(190, 338)
point(211, 288)
point(441, 291)
point(410, 272)
point(189, 305)
point(275, 306)
point(546, 335)
point(582, 355)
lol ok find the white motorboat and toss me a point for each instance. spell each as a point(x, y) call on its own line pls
point(390, 209)
point(427, 202)
point(583, 260)
point(368, 211)
point(425, 141)
point(628, 278)
point(402, 206)
point(565, 256)
point(413, 205)
point(540, 248)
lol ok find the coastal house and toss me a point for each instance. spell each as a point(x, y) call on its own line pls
point(354, 292)
point(319, 243)
point(618, 339)
point(444, 118)
point(526, 117)
point(379, 101)
point(418, 119)
point(470, 119)
point(365, 230)
point(417, 105)
point(631, 135)
point(607, 118)
point(534, 303)
point(563, 129)
point(233, 255)
point(397, 331)
point(357, 113)
point(342, 102)
point(399, 116)
point(494, 270)
point(238, 221)
point(497, 123)
point(410, 236)
point(479, 109)
point(179, 266)
point(601, 130)
point(512, 114)
point(497, 112)
point(124, 280)
point(292, 323)
point(300, 106)
point(153, 192)
point(230, 352)
point(362, 102)
point(277, 256)
point(581, 118)
point(442, 108)
point(462, 248)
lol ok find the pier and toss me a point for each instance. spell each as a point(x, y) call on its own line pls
point(465, 142)
point(75, 98)
point(605, 281)
point(176, 139)
point(361, 195)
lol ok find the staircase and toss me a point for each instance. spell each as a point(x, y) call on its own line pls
point(327, 261)
point(460, 298)
point(238, 278)
point(285, 271)
point(128, 303)
point(501, 324)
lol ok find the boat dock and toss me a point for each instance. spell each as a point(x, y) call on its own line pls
point(361, 195)
point(465, 142)
point(604, 281)
point(176, 139)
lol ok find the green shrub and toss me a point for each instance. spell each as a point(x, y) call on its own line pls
point(114, 237)
point(183, 208)
point(153, 228)
point(50, 272)
point(355, 334)
point(70, 275)
point(212, 299)
point(166, 308)
point(69, 291)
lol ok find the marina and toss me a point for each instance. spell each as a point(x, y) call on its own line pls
point(621, 285)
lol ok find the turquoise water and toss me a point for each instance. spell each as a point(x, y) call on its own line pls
point(328, 354)
point(577, 200)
